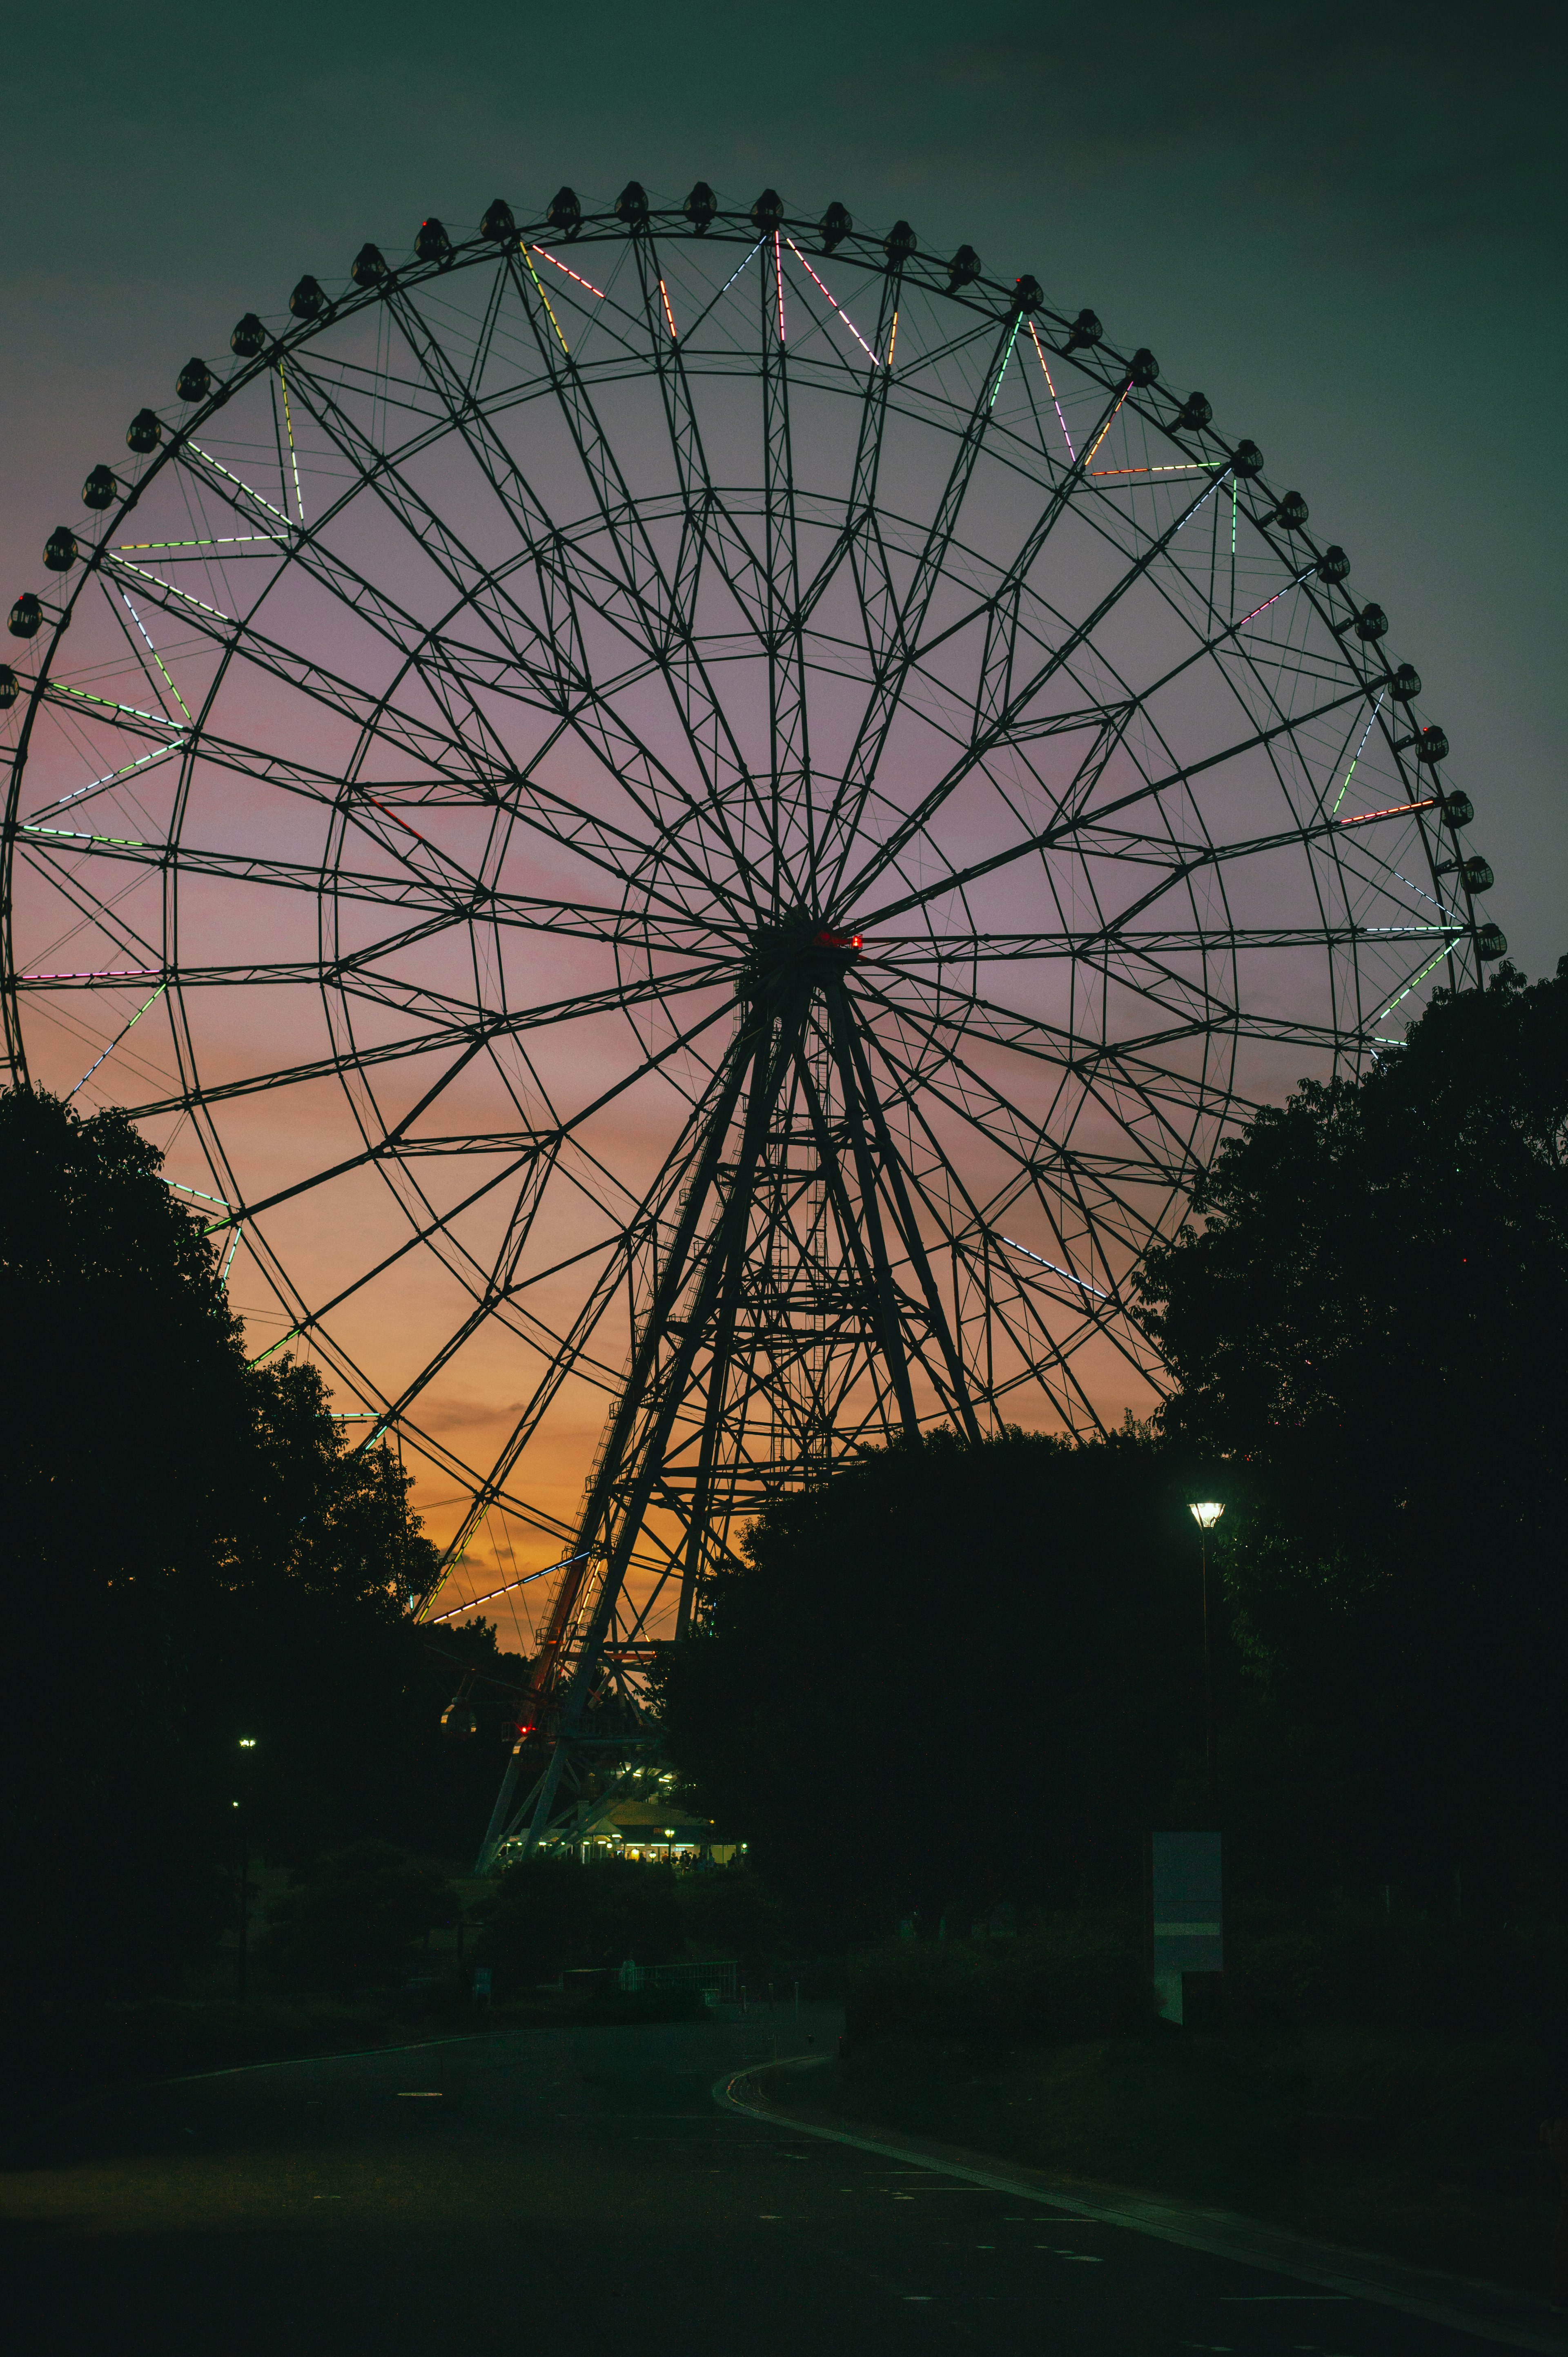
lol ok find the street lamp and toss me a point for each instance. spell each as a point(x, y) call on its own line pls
point(1206, 1512)
point(242, 1961)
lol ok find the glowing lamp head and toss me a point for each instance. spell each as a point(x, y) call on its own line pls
point(247, 1743)
point(1206, 1513)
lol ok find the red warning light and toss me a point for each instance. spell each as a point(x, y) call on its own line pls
point(829, 940)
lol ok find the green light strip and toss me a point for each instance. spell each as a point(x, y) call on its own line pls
point(105, 703)
point(208, 460)
point(293, 454)
point(1410, 986)
point(151, 648)
point(1001, 372)
point(223, 540)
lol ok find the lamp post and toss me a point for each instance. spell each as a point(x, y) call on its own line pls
point(1206, 1512)
point(242, 1961)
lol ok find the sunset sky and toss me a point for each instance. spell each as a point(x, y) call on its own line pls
point(1342, 227)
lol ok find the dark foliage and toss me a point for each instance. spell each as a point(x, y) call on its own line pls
point(1368, 1323)
point(192, 1555)
point(552, 1914)
point(1074, 1975)
point(950, 1675)
point(352, 1919)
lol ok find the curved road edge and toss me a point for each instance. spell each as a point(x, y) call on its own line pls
point(1489, 2311)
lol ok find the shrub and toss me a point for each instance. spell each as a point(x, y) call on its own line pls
point(1066, 1977)
point(352, 1919)
point(553, 1914)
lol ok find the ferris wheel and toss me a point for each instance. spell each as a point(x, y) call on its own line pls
point(694, 822)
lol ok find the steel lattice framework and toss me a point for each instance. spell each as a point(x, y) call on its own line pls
point(693, 816)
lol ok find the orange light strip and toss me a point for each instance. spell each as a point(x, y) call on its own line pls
point(1395, 810)
point(667, 312)
point(1108, 425)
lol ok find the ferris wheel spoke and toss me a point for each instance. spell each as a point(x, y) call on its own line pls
point(895, 660)
point(625, 758)
point(638, 591)
point(859, 1082)
point(469, 1037)
point(1048, 1350)
point(709, 533)
point(528, 912)
point(1094, 1066)
point(996, 729)
point(553, 652)
point(1065, 829)
point(789, 818)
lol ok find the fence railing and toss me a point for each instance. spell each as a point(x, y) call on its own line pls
point(715, 1984)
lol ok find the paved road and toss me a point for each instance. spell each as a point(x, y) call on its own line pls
point(580, 2192)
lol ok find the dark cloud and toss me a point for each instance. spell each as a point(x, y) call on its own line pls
point(1404, 125)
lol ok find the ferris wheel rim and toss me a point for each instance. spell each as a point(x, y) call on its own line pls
point(602, 230)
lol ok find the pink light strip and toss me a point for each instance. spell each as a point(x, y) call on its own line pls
point(1055, 404)
point(833, 298)
point(547, 257)
point(779, 282)
point(1270, 602)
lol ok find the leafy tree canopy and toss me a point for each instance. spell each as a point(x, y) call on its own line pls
point(950, 1675)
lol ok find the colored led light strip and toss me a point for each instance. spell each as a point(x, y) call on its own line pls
point(474, 1602)
point(1080, 1281)
point(735, 273)
point(1413, 984)
point(225, 540)
point(208, 460)
point(1055, 404)
point(223, 1279)
point(105, 703)
point(1188, 467)
point(1199, 505)
point(545, 255)
point(97, 973)
point(113, 776)
point(293, 456)
point(1005, 357)
point(181, 1189)
point(72, 835)
point(778, 281)
point(1274, 601)
point(545, 300)
point(833, 298)
point(185, 598)
point(1108, 425)
point(118, 1037)
point(293, 1334)
point(892, 339)
point(1359, 750)
point(669, 314)
point(1395, 810)
point(151, 649)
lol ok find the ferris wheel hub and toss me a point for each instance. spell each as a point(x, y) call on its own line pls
point(799, 954)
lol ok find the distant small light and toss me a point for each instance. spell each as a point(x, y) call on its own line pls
point(247, 1743)
point(669, 1833)
point(1206, 1513)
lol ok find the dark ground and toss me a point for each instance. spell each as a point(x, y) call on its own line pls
point(580, 2189)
